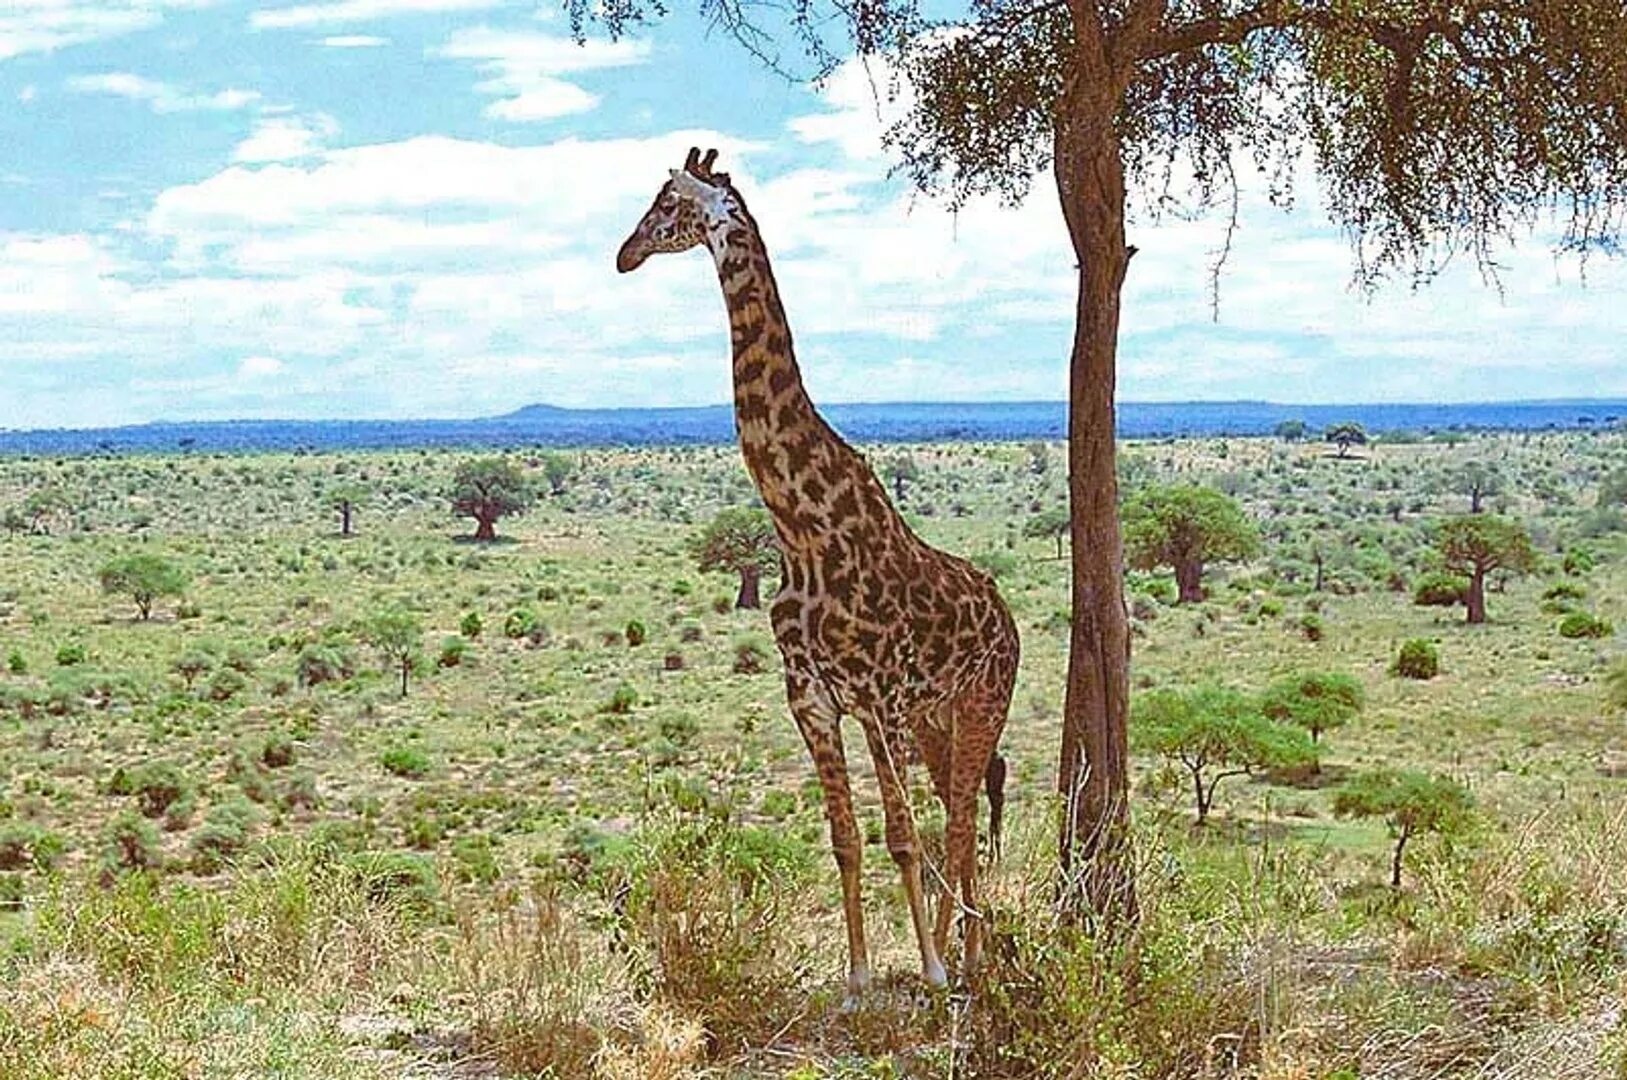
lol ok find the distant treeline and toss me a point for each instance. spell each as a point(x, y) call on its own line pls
point(541, 425)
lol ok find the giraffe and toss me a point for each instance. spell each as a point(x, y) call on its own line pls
point(914, 644)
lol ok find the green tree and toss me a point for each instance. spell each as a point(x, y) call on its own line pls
point(1476, 545)
point(1049, 524)
point(347, 498)
point(1291, 430)
point(1214, 732)
point(143, 578)
point(41, 506)
point(1317, 701)
point(1186, 527)
point(900, 469)
point(1477, 480)
point(398, 636)
point(1411, 803)
point(1346, 435)
point(487, 489)
point(557, 469)
point(1434, 129)
point(741, 540)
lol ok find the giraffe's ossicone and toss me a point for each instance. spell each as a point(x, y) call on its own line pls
point(873, 623)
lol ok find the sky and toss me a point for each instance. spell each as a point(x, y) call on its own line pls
point(410, 208)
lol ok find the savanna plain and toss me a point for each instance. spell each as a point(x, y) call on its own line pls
point(398, 803)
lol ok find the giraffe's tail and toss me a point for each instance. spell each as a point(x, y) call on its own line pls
point(994, 785)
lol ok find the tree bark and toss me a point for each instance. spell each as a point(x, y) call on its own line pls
point(344, 519)
point(486, 529)
point(750, 595)
point(406, 667)
point(1395, 863)
point(1477, 597)
point(1096, 872)
point(1189, 581)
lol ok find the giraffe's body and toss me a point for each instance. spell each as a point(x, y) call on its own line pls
point(872, 623)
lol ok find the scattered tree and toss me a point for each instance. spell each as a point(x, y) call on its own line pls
point(1291, 430)
point(1039, 457)
point(144, 578)
point(1317, 701)
point(1410, 803)
point(1346, 435)
point(1434, 129)
point(1477, 480)
point(1214, 732)
point(901, 469)
point(1049, 524)
point(741, 540)
point(1186, 528)
point(487, 489)
point(398, 635)
point(1478, 544)
point(557, 469)
point(347, 499)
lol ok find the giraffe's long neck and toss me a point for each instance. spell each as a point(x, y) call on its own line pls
point(775, 418)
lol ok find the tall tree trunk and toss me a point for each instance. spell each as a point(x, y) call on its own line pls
point(406, 667)
point(1093, 775)
point(1477, 597)
point(344, 519)
point(1395, 862)
point(486, 529)
point(1189, 581)
point(1474, 500)
point(750, 595)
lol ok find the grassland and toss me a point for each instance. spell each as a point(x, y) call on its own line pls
point(586, 841)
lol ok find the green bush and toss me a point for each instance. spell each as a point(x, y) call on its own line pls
point(24, 846)
point(471, 626)
point(635, 633)
point(70, 653)
point(1312, 627)
point(1564, 590)
point(1578, 560)
point(1584, 624)
point(397, 878)
point(226, 684)
point(318, 664)
point(16, 662)
point(1418, 659)
point(750, 658)
point(1440, 589)
point(129, 844)
point(622, 699)
point(476, 859)
point(453, 651)
point(406, 761)
point(12, 891)
point(521, 622)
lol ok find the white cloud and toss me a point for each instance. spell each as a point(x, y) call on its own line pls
point(354, 41)
point(286, 138)
point(44, 26)
point(351, 11)
point(524, 69)
point(259, 367)
point(162, 97)
point(27, 93)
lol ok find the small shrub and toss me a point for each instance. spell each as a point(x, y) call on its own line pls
point(24, 846)
point(680, 729)
point(16, 662)
point(521, 622)
point(70, 653)
point(453, 650)
point(622, 699)
point(226, 684)
point(318, 664)
point(1312, 626)
point(1565, 590)
point(1440, 589)
point(476, 859)
point(673, 661)
point(393, 877)
point(1418, 659)
point(1578, 560)
point(277, 751)
point(635, 633)
point(471, 626)
point(130, 844)
point(12, 891)
point(405, 761)
point(1584, 624)
point(750, 658)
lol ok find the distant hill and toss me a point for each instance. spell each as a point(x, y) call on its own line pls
point(550, 425)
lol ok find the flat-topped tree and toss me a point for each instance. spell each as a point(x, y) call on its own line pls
point(1410, 802)
point(1477, 480)
point(740, 539)
point(1186, 527)
point(144, 578)
point(1435, 127)
point(1346, 435)
point(1478, 544)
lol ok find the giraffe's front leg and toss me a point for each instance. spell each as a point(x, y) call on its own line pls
point(820, 724)
point(904, 846)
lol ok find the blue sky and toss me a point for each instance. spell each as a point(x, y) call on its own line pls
point(391, 208)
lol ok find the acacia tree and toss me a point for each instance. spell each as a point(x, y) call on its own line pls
point(740, 539)
point(1186, 527)
point(487, 489)
point(1346, 435)
point(1410, 803)
point(1477, 479)
point(1478, 544)
point(901, 469)
point(347, 499)
point(397, 634)
point(1436, 127)
point(143, 578)
point(1052, 524)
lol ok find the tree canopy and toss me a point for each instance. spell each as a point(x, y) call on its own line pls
point(1186, 527)
point(348, 497)
point(1477, 480)
point(1477, 544)
point(1346, 435)
point(1051, 524)
point(143, 578)
point(487, 489)
point(740, 539)
point(1317, 701)
point(397, 634)
point(1410, 803)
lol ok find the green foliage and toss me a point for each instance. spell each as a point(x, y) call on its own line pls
point(398, 635)
point(25, 846)
point(1584, 624)
point(1613, 489)
point(488, 489)
point(470, 625)
point(405, 761)
point(226, 684)
point(521, 622)
point(1480, 543)
point(143, 577)
point(738, 538)
point(1440, 589)
point(623, 699)
point(454, 650)
point(1578, 560)
point(1186, 527)
point(1417, 659)
point(1565, 590)
point(1410, 802)
point(319, 663)
point(70, 653)
point(1317, 701)
point(1292, 430)
point(1051, 524)
point(635, 632)
point(1345, 435)
point(16, 662)
point(130, 844)
point(1214, 732)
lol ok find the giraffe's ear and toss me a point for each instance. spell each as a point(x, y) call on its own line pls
point(672, 173)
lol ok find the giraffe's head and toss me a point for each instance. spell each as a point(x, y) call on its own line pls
point(691, 203)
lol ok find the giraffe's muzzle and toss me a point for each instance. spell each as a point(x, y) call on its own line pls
point(632, 254)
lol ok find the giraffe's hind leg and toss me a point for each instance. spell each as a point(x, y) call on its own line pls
point(979, 720)
point(902, 842)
